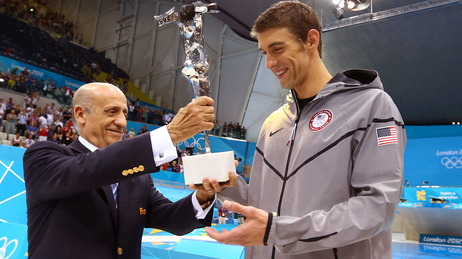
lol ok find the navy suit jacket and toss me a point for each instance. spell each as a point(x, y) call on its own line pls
point(71, 211)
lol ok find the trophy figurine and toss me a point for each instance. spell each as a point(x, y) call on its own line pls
point(195, 69)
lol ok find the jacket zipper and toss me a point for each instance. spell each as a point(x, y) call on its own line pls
point(291, 141)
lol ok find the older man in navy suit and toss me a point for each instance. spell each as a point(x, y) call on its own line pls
point(93, 198)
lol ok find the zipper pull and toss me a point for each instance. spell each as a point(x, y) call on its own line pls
point(292, 134)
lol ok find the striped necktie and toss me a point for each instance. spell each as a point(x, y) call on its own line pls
point(115, 191)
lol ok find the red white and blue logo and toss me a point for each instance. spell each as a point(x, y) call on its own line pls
point(320, 120)
point(387, 135)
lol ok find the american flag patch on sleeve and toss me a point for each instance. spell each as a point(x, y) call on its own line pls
point(387, 135)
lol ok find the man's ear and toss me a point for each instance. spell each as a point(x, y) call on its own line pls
point(312, 40)
point(79, 115)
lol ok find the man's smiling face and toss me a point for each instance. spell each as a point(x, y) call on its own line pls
point(286, 56)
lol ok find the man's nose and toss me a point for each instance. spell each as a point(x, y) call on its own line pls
point(121, 121)
point(270, 62)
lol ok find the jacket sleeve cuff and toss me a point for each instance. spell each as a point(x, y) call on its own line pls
point(268, 228)
point(163, 148)
point(201, 213)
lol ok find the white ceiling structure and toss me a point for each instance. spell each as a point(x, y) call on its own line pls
point(415, 45)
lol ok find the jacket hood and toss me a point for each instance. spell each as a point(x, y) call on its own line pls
point(351, 79)
point(347, 80)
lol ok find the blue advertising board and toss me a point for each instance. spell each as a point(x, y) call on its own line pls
point(60, 80)
point(13, 229)
point(451, 195)
point(435, 161)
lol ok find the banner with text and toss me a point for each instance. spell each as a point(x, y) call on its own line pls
point(426, 194)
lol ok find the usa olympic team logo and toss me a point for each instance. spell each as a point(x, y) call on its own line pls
point(320, 120)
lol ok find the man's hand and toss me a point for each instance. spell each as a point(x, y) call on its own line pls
point(205, 193)
point(197, 116)
point(250, 233)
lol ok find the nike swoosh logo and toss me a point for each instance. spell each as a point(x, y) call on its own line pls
point(274, 132)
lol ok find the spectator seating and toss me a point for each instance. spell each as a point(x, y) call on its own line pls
point(11, 136)
point(3, 136)
point(23, 42)
point(5, 139)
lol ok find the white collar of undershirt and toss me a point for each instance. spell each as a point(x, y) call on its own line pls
point(87, 144)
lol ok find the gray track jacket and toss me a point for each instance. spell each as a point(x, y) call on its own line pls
point(330, 174)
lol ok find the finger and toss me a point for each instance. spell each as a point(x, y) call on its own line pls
point(208, 116)
point(211, 232)
point(236, 207)
point(204, 100)
point(231, 181)
point(207, 125)
point(225, 237)
point(232, 178)
point(208, 109)
point(206, 184)
point(216, 185)
point(236, 163)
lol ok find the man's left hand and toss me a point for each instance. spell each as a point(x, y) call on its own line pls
point(205, 193)
point(250, 233)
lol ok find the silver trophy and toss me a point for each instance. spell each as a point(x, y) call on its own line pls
point(196, 67)
point(196, 64)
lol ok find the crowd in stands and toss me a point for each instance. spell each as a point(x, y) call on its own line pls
point(149, 114)
point(24, 82)
point(31, 123)
point(230, 130)
point(37, 13)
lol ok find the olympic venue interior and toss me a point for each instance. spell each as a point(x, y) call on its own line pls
point(413, 44)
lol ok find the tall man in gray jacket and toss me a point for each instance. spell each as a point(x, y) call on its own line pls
point(328, 167)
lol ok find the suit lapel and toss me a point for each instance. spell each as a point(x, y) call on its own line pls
point(105, 191)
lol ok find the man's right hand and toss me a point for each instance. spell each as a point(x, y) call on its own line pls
point(197, 116)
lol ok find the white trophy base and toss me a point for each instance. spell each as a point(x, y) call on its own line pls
point(210, 165)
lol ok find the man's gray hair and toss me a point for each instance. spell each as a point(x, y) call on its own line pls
point(83, 98)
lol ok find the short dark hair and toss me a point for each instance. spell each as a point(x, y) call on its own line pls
point(297, 17)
